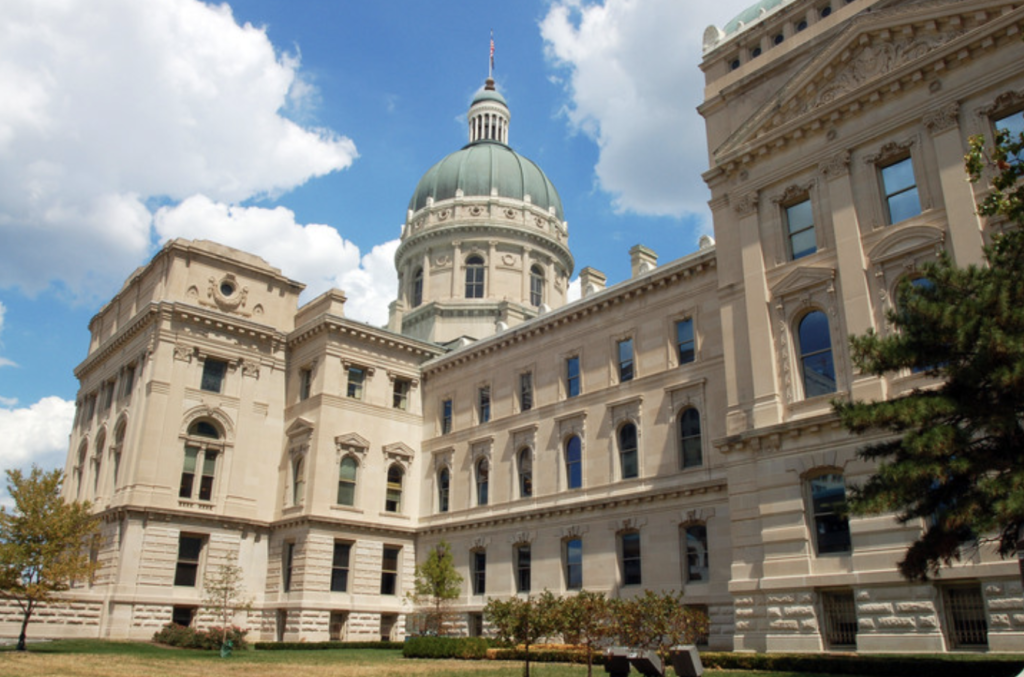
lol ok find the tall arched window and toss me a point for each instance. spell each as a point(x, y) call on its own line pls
point(525, 473)
point(203, 445)
point(97, 462)
point(417, 288)
point(483, 477)
point(573, 463)
point(536, 286)
point(347, 481)
point(628, 451)
point(691, 454)
point(475, 277)
point(444, 482)
point(80, 469)
point(393, 497)
point(816, 365)
point(117, 450)
point(298, 480)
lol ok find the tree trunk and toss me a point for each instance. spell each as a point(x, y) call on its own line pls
point(24, 628)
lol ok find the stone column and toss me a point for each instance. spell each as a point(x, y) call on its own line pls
point(853, 280)
point(457, 291)
point(964, 227)
point(764, 370)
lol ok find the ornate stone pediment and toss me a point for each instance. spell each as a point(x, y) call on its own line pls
point(876, 56)
point(351, 441)
point(399, 451)
point(300, 427)
point(801, 279)
point(905, 241)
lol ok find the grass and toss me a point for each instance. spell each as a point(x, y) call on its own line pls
point(98, 658)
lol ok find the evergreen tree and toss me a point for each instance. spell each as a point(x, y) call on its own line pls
point(957, 459)
point(44, 542)
point(437, 584)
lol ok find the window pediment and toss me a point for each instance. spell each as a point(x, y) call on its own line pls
point(301, 427)
point(400, 452)
point(802, 280)
point(352, 441)
point(904, 241)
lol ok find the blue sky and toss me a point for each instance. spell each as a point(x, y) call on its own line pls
point(298, 130)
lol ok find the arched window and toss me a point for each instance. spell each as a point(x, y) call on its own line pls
point(417, 288)
point(828, 513)
point(628, 451)
point(691, 454)
point(525, 473)
point(80, 469)
point(97, 461)
point(347, 481)
point(444, 482)
point(816, 365)
point(483, 476)
point(475, 277)
point(202, 449)
point(573, 463)
point(298, 480)
point(117, 450)
point(536, 286)
point(393, 497)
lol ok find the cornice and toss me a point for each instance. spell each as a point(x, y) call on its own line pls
point(681, 270)
point(138, 323)
point(769, 439)
point(364, 333)
point(783, 121)
point(471, 520)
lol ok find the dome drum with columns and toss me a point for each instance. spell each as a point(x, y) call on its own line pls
point(484, 245)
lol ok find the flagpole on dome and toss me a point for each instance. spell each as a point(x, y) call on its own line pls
point(490, 70)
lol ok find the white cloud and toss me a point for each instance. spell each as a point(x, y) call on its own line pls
point(314, 254)
point(104, 109)
point(36, 434)
point(632, 75)
point(4, 362)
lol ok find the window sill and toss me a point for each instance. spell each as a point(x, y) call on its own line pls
point(198, 505)
point(396, 515)
point(347, 508)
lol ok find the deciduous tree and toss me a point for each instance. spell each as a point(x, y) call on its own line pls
point(224, 594)
point(584, 619)
point(44, 541)
point(657, 622)
point(524, 621)
point(437, 585)
point(955, 459)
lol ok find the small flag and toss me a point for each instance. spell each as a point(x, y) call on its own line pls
point(492, 50)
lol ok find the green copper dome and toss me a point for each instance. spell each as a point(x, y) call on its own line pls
point(751, 15)
point(489, 95)
point(482, 166)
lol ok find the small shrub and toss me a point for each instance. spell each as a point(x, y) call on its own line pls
point(445, 647)
point(324, 646)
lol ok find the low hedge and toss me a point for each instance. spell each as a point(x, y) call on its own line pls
point(954, 665)
point(540, 654)
point(445, 647)
point(186, 637)
point(319, 646)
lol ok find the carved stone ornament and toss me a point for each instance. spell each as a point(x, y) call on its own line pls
point(746, 203)
point(521, 538)
point(574, 531)
point(251, 368)
point(443, 459)
point(836, 166)
point(508, 259)
point(398, 452)
point(442, 261)
point(443, 215)
point(476, 210)
point(510, 213)
point(183, 352)
point(794, 193)
point(1007, 102)
point(942, 119)
point(892, 151)
point(226, 294)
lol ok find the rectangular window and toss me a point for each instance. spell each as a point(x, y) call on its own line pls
point(840, 615)
point(630, 558)
point(900, 188)
point(128, 380)
point(213, 375)
point(574, 564)
point(356, 377)
point(188, 472)
point(389, 571)
point(479, 572)
point(572, 376)
point(1013, 125)
point(526, 391)
point(522, 568)
point(828, 507)
point(206, 481)
point(286, 566)
point(305, 383)
point(800, 230)
point(90, 407)
point(685, 345)
point(108, 395)
point(625, 360)
point(446, 417)
point(966, 617)
point(186, 572)
point(339, 566)
point(400, 394)
point(484, 404)
point(183, 615)
point(696, 544)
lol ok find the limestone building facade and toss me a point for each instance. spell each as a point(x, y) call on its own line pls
point(672, 431)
